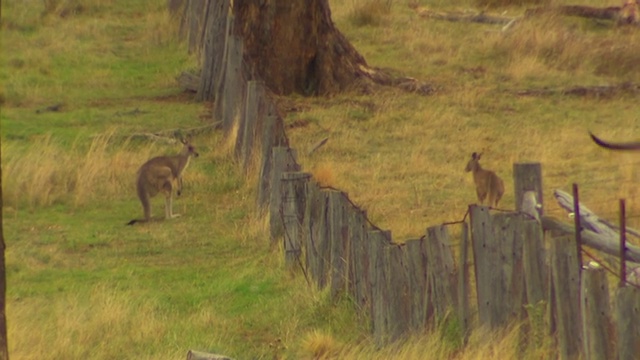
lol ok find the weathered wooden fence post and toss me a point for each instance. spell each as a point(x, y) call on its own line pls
point(253, 113)
point(565, 271)
point(416, 260)
point(294, 198)
point(359, 264)
point(534, 262)
point(464, 312)
point(490, 282)
point(399, 293)
point(596, 315)
point(441, 271)
point(284, 160)
point(379, 241)
point(230, 96)
point(509, 234)
point(214, 50)
point(338, 242)
point(627, 313)
point(272, 136)
point(316, 229)
point(527, 177)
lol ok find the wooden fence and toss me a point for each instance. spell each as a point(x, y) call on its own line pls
point(409, 287)
point(500, 272)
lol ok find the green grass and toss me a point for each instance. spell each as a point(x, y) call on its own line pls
point(83, 285)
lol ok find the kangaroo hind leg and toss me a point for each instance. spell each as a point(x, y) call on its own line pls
point(168, 201)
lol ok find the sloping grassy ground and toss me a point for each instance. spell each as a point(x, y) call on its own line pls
point(83, 285)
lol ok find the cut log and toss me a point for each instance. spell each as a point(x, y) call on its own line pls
point(605, 244)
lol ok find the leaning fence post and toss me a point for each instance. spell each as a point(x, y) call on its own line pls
point(578, 227)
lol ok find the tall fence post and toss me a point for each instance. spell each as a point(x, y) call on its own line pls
point(379, 277)
point(284, 160)
point(294, 197)
point(316, 229)
point(272, 135)
point(416, 260)
point(596, 316)
point(252, 114)
point(627, 312)
point(399, 293)
point(565, 271)
point(527, 177)
point(441, 271)
point(490, 281)
point(464, 312)
point(339, 242)
point(359, 269)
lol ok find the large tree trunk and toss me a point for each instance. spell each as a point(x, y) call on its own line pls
point(294, 46)
point(291, 45)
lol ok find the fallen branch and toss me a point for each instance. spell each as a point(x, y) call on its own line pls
point(606, 91)
point(608, 13)
point(317, 145)
point(458, 16)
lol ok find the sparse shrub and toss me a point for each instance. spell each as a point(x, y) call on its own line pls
point(369, 12)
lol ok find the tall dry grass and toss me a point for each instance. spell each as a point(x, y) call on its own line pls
point(557, 43)
point(47, 173)
point(103, 324)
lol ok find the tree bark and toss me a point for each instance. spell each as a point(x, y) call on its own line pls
point(294, 46)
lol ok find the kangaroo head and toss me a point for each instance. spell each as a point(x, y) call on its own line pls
point(188, 149)
point(473, 164)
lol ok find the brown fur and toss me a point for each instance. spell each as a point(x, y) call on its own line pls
point(157, 175)
point(488, 184)
point(615, 146)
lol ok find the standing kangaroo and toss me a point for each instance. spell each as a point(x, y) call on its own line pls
point(157, 175)
point(487, 182)
point(614, 146)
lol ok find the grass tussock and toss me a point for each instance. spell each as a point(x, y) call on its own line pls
point(369, 12)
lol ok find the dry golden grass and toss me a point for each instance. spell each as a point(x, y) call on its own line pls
point(47, 173)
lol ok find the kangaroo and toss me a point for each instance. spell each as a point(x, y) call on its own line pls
point(487, 182)
point(157, 175)
point(615, 146)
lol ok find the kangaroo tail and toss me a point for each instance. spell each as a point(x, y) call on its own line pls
point(133, 221)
